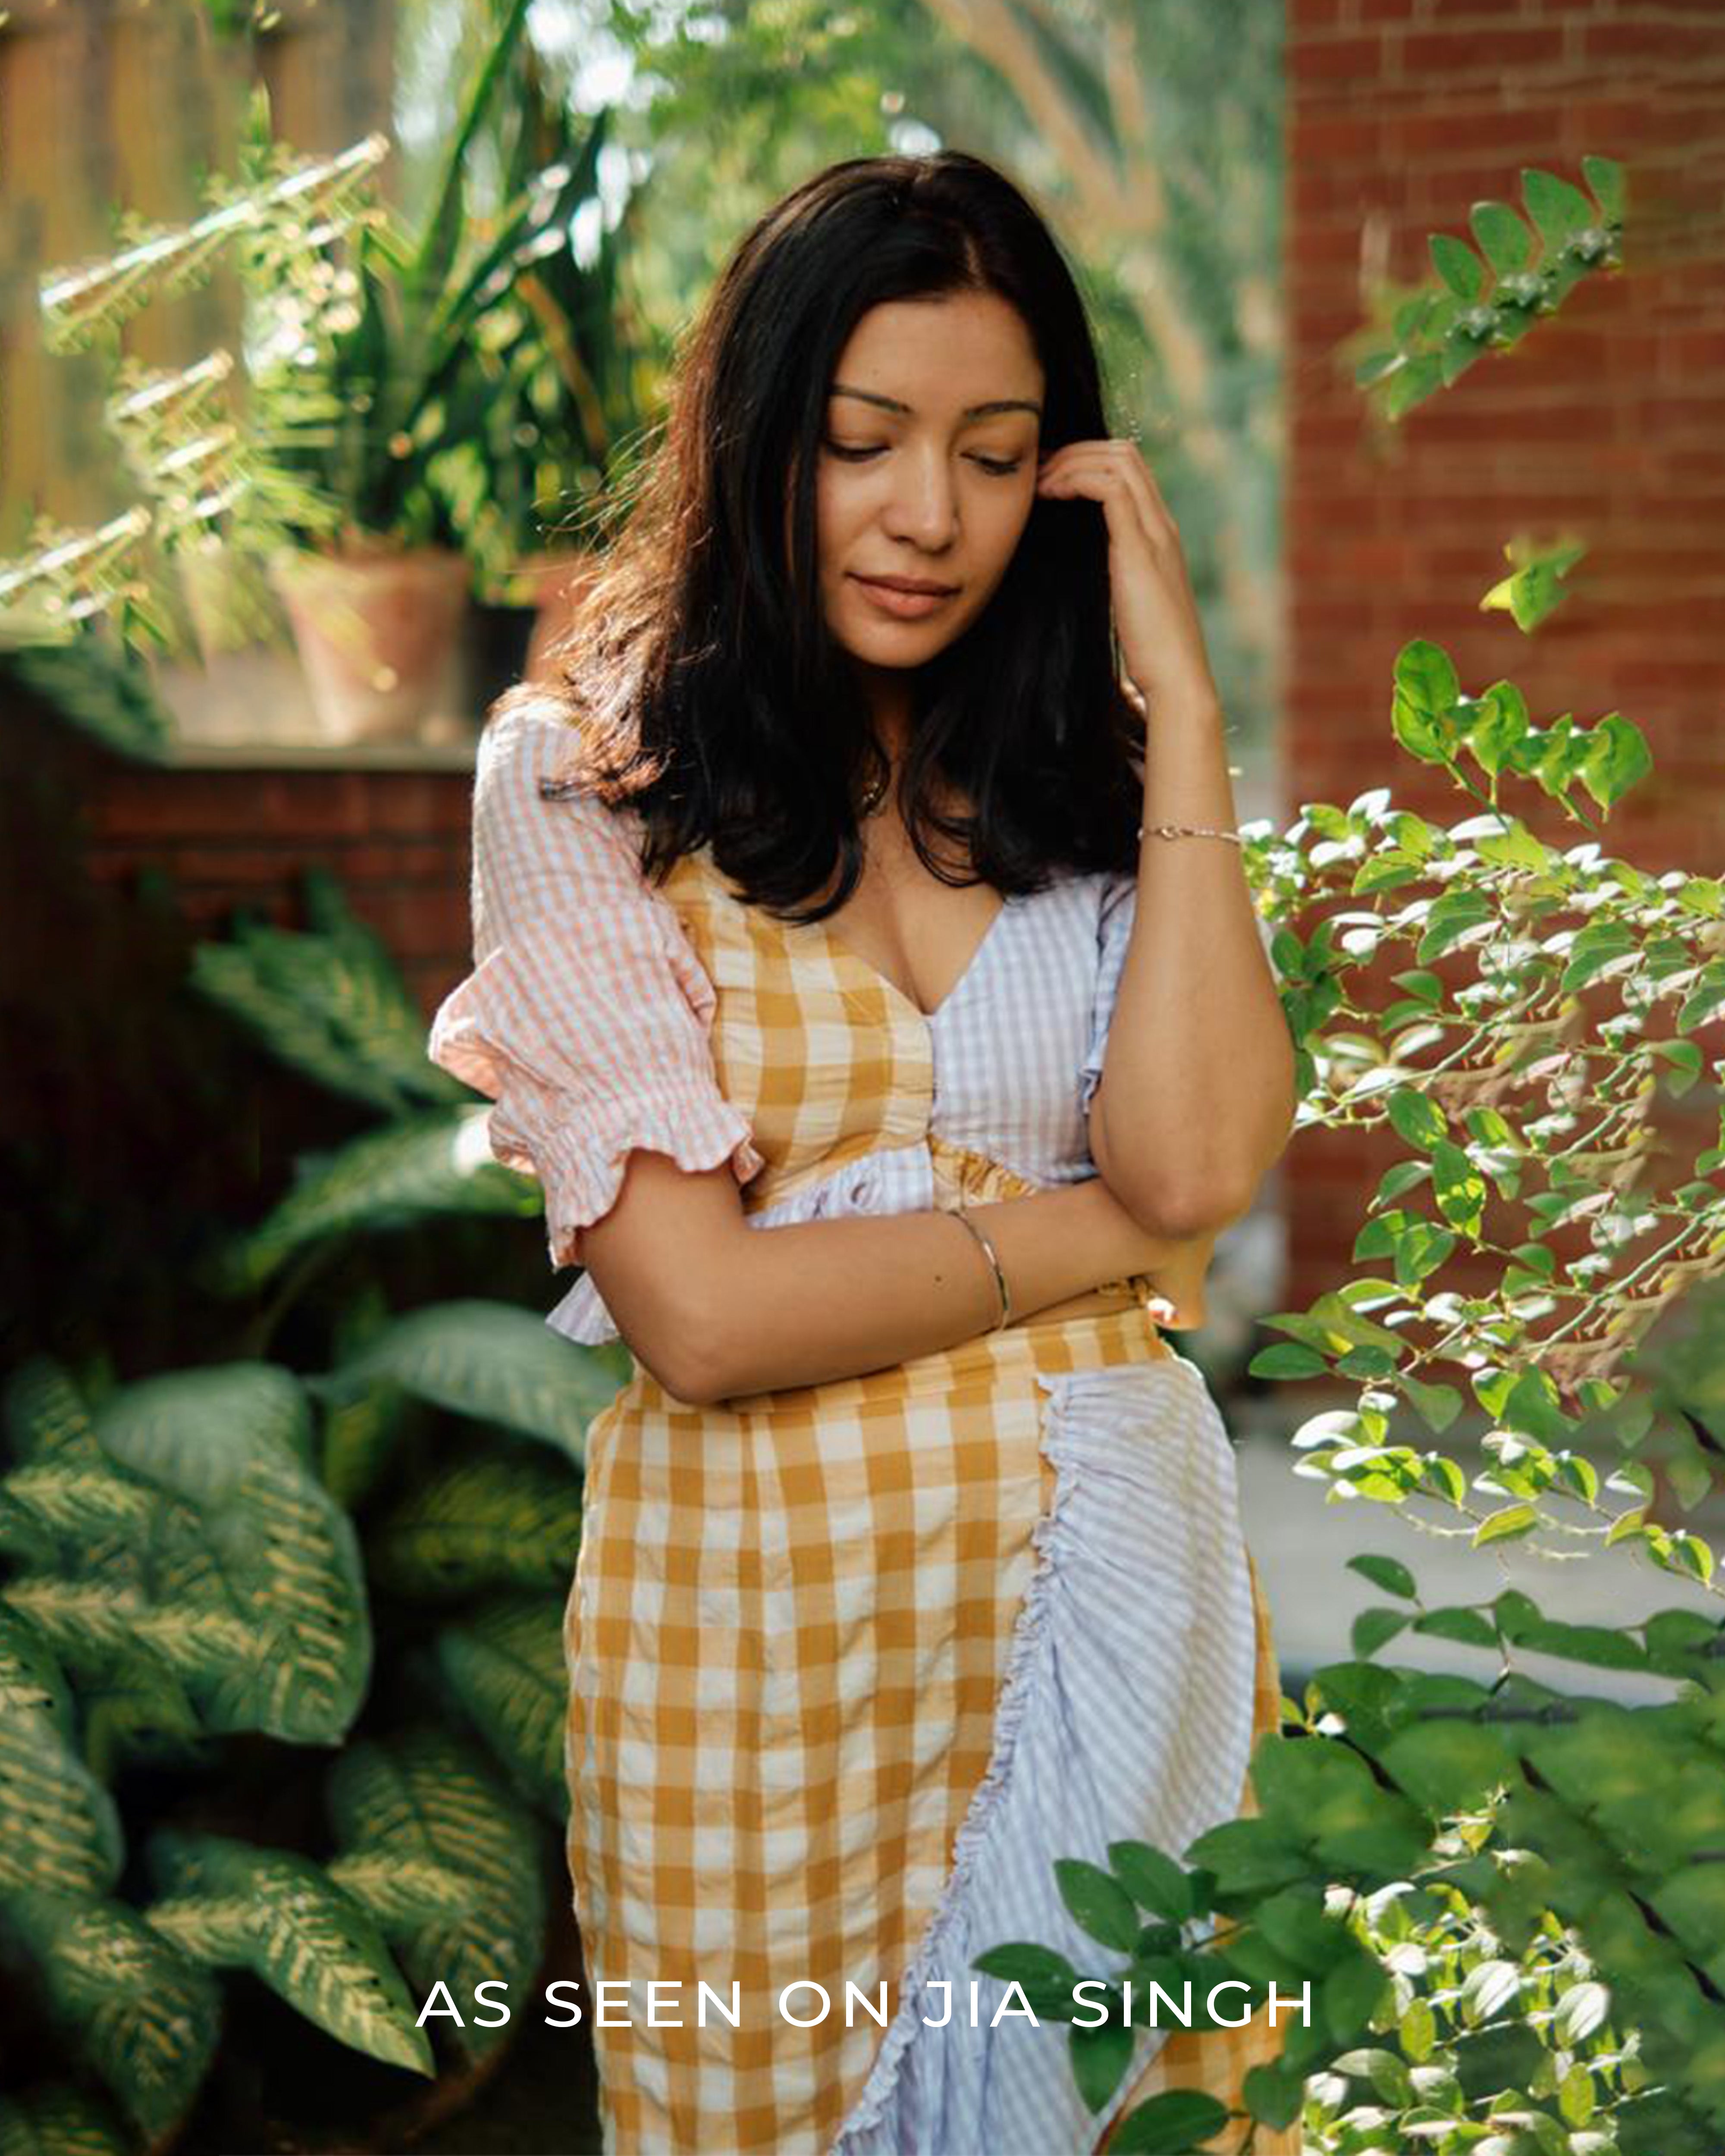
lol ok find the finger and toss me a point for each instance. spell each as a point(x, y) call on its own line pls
point(1128, 459)
point(1099, 469)
point(1096, 470)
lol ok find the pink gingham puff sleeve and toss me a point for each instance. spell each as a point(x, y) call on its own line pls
point(586, 1019)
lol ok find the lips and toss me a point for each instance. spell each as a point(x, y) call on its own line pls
point(919, 586)
point(902, 605)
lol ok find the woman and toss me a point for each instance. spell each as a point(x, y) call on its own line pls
point(911, 1558)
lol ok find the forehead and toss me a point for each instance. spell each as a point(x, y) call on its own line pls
point(950, 355)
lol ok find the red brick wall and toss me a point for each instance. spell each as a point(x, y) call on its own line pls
point(395, 840)
point(1608, 419)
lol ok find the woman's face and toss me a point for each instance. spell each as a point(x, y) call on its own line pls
point(927, 470)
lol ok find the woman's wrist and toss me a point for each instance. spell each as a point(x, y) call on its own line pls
point(1115, 1244)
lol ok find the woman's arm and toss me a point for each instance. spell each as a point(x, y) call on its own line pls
point(715, 1308)
point(1197, 1098)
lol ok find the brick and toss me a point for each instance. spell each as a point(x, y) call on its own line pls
point(237, 869)
point(1334, 140)
point(1449, 55)
point(406, 860)
point(1432, 135)
point(414, 926)
point(1313, 18)
point(1640, 43)
point(1331, 60)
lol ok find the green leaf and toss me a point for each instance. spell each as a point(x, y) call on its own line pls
point(1372, 1627)
point(1600, 947)
point(309, 1941)
point(1369, 1363)
point(1170, 2124)
point(1557, 208)
point(1460, 1187)
point(1516, 848)
point(1419, 1251)
point(1505, 1524)
point(1504, 240)
point(1530, 1405)
point(1455, 262)
point(482, 1519)
point(263, 1616)
point(1458, 914)
point(1580, 2013)
point(1349, 1998)
point(426, 1801)
point(1288, 954)
point(1274, 2094)
point(1416, 1117)
point(1617, 758)
point(1248, 1857)
point(1100, 2057)
point(1375, 366)
point(1448, 1766)
point(1604, 176)
point(1286, 1359)
point(1388, 1572)
point(1437, 1406)
point(1295, 1924)
point(490, 1360)
point(1418, 2031)
point(1045, 1978)
point(1459, 1623)
point(504, 1667)
point(1598, 1644)
point(1098, 1902)
point(1425, 676)
point(1499, 724)
point(1685, 1057)
point(1152, 1878)
point(1421, 735)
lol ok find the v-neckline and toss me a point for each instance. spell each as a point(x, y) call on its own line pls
point(703, 857)
point(928, 1017)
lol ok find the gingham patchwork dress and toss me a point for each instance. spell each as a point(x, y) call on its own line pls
point(852, 1664)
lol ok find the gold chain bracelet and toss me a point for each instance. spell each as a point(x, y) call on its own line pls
point(1189, 831)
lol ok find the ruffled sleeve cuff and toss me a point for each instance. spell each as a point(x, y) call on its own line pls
point(587, 1017)
point(580, 1164)
point(577, 1149)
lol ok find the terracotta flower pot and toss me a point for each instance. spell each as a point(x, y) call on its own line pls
point(380, 638)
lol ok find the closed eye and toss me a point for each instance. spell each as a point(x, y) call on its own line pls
point(992, 464)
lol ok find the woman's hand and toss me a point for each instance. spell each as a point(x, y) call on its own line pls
point(1155, 615)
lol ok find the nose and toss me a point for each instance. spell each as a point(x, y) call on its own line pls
point(924, 505)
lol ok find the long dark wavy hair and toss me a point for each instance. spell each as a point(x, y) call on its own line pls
point(700, 680)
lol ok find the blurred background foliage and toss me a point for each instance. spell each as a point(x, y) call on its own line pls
point(1152, 142)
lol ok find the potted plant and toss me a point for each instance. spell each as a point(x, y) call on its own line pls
point(558, 391)
point(423, 383)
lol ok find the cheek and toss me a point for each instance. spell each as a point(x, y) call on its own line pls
point(828, 526)
point(1007, 528)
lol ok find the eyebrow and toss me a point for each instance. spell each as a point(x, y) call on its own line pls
point(970, 411)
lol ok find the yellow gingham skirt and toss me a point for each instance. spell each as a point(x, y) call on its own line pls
point(791, 1623)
